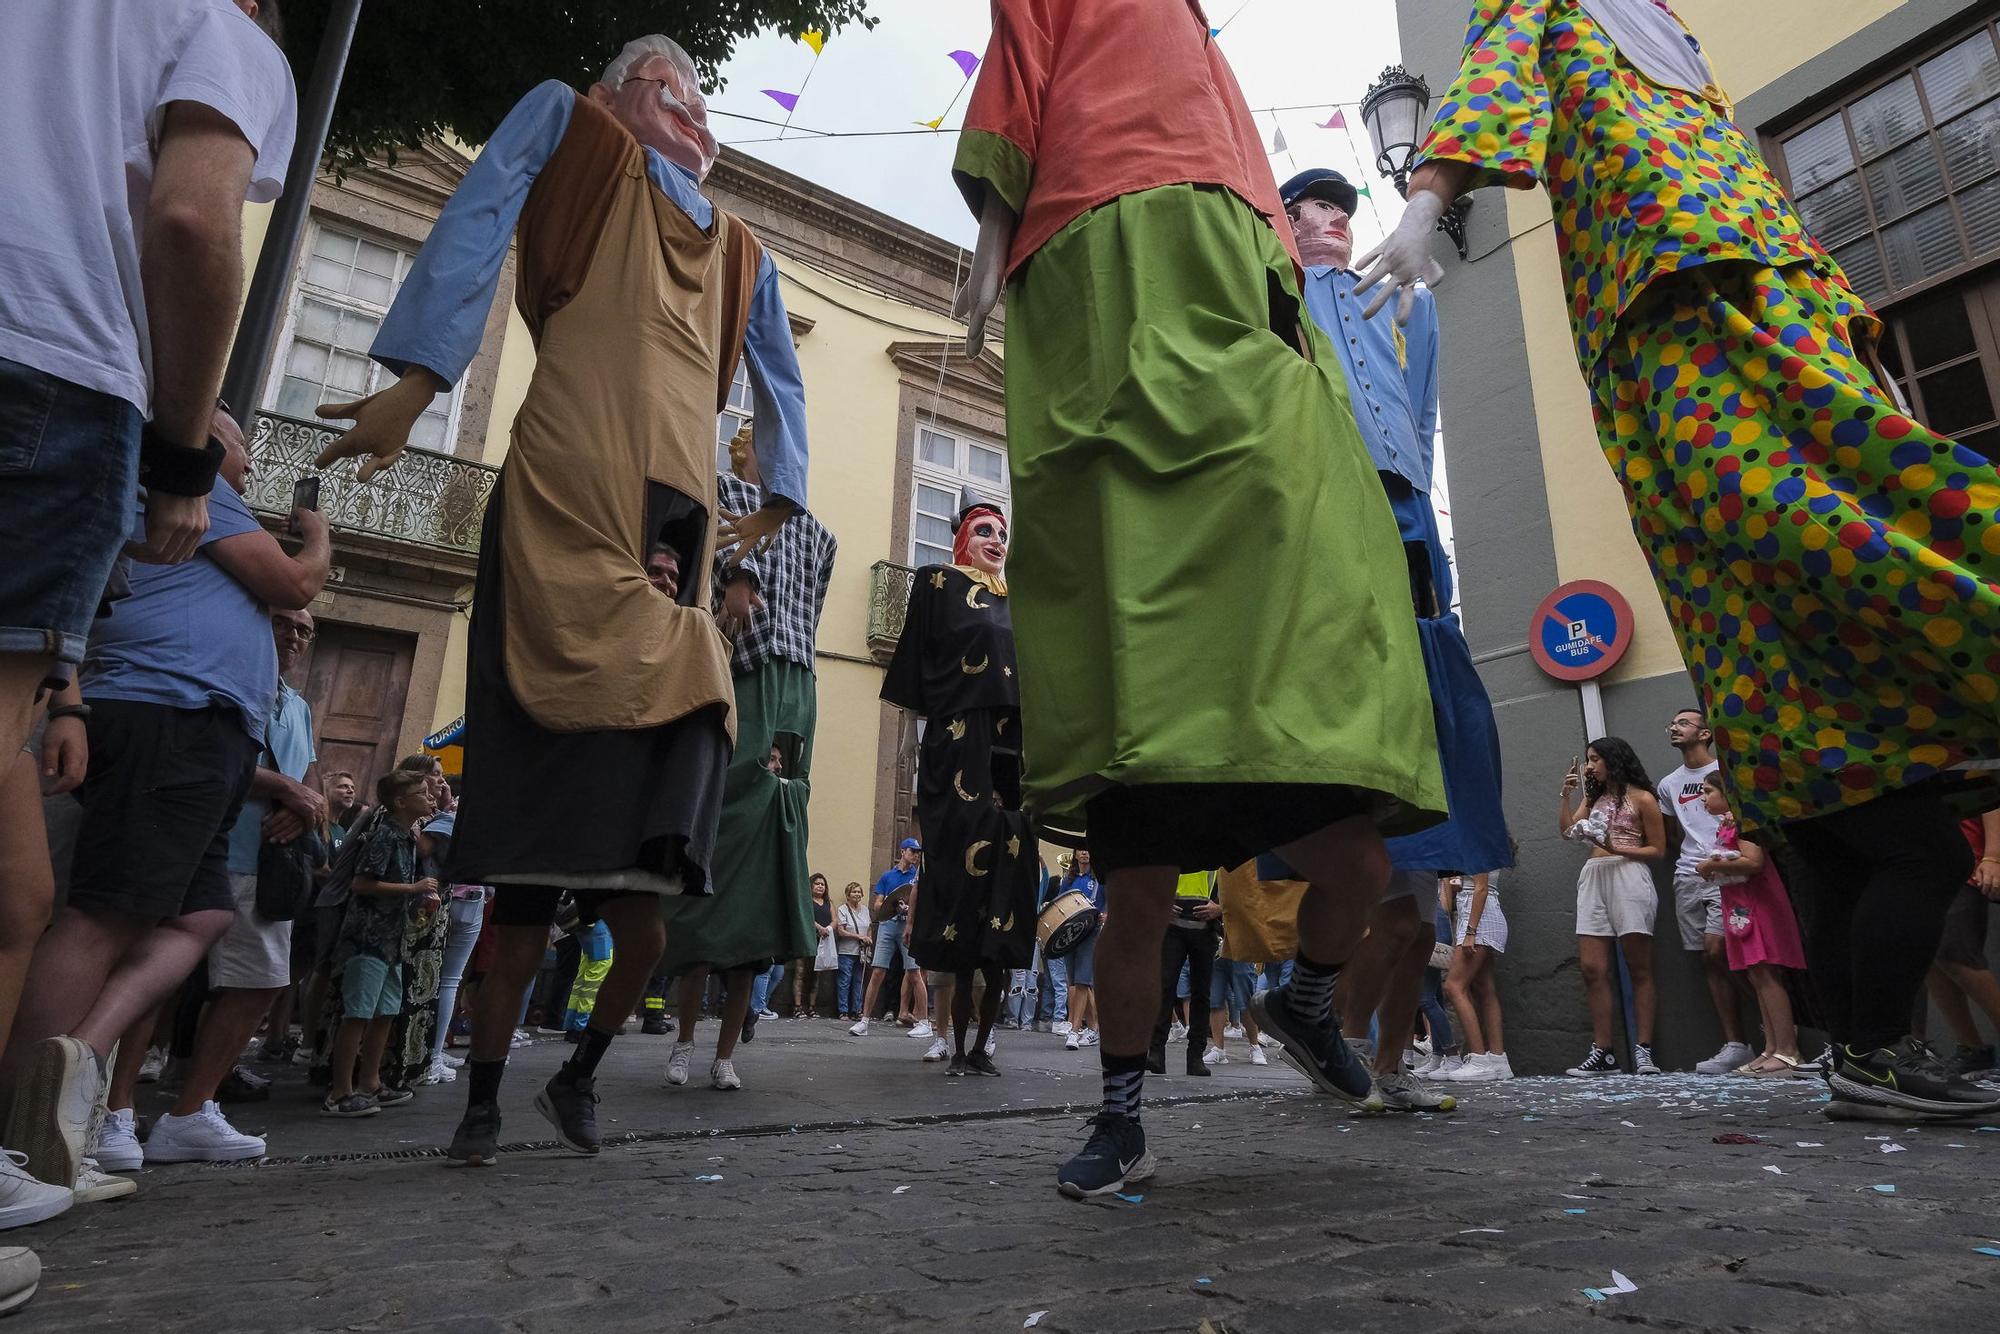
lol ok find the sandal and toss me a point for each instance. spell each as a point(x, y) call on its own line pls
point(1780, 1067)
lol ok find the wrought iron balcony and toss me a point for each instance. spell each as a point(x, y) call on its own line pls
point(888, 603)
point(428, 498)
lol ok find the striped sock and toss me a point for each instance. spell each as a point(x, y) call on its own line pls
point(1124, 1081)
point(1312, 989)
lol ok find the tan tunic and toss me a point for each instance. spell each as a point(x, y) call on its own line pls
point(638, 318)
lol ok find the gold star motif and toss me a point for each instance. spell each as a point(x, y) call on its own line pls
point(1014, 846)
point(937, 580)
point(951, 933)
point(995, 924)
point(1006, 671)
point(957, 729)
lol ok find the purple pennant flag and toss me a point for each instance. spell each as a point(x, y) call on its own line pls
point(789, 101)
point(966, 61)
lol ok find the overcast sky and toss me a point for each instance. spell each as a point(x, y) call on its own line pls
point(1286, 53)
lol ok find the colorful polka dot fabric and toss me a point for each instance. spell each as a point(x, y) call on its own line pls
point(1828, 564)
point(1643, 180)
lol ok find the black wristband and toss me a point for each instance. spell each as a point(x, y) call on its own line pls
point(80, 711)
point(175, 470)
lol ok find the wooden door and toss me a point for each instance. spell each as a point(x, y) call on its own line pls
point(357, 681)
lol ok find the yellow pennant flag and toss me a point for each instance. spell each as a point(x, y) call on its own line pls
point(929, 124)
point(814, 38)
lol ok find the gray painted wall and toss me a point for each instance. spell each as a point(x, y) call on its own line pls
point(1506, 566)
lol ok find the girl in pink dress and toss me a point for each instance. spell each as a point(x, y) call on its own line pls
point(1759, 932)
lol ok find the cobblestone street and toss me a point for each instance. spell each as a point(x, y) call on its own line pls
point(851, 1187)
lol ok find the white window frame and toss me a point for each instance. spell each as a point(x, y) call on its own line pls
point(953, 480)
point(739, 390)
point(378, 377)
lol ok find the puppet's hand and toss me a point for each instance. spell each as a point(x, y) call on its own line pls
point(750, 533)
point(382, 422)
point(1404, 260)
point(981, 292)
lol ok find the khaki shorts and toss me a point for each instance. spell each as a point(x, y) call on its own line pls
point(255, 954)
point(1615, 897)
point(1698, 908)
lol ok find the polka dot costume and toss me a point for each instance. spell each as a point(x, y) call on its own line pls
point(1827, 563)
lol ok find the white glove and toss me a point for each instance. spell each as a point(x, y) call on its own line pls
point(981, 292)
point(1405, 258)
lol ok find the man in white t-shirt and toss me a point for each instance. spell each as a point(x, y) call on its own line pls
point(1698, 902)
point(136, 129)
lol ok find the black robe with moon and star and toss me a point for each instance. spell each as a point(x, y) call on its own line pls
point(954, 666)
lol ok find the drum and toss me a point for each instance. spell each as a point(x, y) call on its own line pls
point(1064, 923)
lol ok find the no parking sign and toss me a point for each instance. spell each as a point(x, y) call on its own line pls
point(1581, 630)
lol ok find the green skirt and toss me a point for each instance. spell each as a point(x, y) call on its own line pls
point(1207, 584)
point(760, 906)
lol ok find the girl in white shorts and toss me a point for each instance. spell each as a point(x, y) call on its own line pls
point(1480, 934)
point(1608, 803)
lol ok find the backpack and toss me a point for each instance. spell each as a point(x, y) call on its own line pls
point(339, 886)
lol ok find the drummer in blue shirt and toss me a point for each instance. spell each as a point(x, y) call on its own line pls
point(1392, 375)
point(1080, 963)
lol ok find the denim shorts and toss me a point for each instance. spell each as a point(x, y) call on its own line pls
point(69, 472)
point(1082, 962)
point(371, 988)
point(890, 942)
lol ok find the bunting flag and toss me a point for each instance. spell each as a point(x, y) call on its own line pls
point(929, 124)
point(1278, 144)
point(965, 60)
point(814, 38)
point(789, 101)
point(1339, 121)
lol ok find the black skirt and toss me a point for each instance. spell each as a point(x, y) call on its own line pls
point(982, 869)
point(579, 804)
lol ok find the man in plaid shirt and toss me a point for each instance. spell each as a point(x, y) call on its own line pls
point(760, 910)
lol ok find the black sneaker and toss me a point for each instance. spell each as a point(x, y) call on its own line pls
point(1599, 1062)
point(957, 1067)
point(1970, 1062)
point(391, 1096)
point(571, 1107)
point(1320, 1054)
point(240, 1085)
point(1195, 1065)
point(655, 1025)
point(749, 1033)
point(1900, 1083)
point(979, 1063)
point(354, 1104)
point(1156, 1060)
point(476, 1142)
point(1114, 1157)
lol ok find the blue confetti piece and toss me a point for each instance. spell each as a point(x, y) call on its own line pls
point(1133, 1199)
point(1883, 1190)
point(1205, 1281)
point(1993, 1251)
point(1531, 1118)
point(1573, 1211)
point(1593, 1294)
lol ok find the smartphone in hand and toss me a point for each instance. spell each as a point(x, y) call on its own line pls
point(305, 496)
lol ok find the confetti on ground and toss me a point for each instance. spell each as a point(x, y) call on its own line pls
point(1531, 1118)
point(1034, 1318)
point(1883, 1190)
point(1575, 1211)
point(899, 1190)
point(1894, 1148)
point(1808, 1144)
point(1593, 1294)
point(1775, 1171)
point(1132, 1199)
point(1736, 1137)
point(1993, 1251)
point(708, 1178)
point(1620, 1283)
point(1628, 1125)
point(1468, 1231)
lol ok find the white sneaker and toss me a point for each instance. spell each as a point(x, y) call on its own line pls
point(1733, 1056)
point(1447, 1068)
point(1422, 1046)
point(55, 1106)
point(24, 1200)
point(150, 1068)
point(1263, 1040)
point(455, 1062)
point(859, 1028)
point(202, 1137)
point(1176, 1032)
point(939, 1051)
point(1073, 1041)
point(95, 1187)
point(1412, 1058)
point(1061, 1029)
point(992, 1045)
point(117, 1148)
point(20, 1275)
point(1090, 1037)
point(767, 1014)
point(1234, 1032)
point(922, 1029)
point(1214, 1056)
point(722, 1075)
point(522, 1037)
point(1257, 1056)
point(1427, 1068)
point(437, 1072)
point(681, 1058)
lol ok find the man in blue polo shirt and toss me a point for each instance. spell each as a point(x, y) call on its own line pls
point(890, 905)
point(1391, 371)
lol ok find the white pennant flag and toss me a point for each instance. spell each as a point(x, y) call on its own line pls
point(1278, 140)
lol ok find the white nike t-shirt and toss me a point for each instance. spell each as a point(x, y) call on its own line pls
point(1680, 794)
point(84, 89)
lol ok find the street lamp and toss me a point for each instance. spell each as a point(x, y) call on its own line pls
point(1396, 108)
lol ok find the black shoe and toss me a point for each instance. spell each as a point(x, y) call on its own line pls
point(1195, 1065)
point(1114, 1157)
point(1599, 1062)
point(1320, 1054)
point(655, 1025)
point(957, 1067)
point(1156, 1061)
point(979, 1063)
point(571, 1107)
point(391, 1096)
point(476, 1142)
point(1970, 1062)
point(749, 1033)
point(242, 1086)
point(1900, 1082)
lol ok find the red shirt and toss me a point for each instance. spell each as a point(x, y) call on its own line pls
point(1081, 101)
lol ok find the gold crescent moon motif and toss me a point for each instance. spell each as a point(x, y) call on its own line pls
point(958, 785)
point(972, 857)
point(972, 598)
point(957, 729)
point(970, 670)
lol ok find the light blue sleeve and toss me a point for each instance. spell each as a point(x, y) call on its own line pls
point(440, 313)
point(778, 431)
point(1420, 377)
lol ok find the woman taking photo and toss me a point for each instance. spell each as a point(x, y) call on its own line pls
point(1610, 805)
